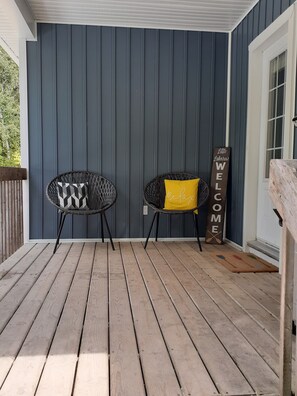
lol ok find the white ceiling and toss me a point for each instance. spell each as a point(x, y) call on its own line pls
point(201, 15)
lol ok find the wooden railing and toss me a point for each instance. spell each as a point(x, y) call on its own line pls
point(11, 210)
point(283, 192)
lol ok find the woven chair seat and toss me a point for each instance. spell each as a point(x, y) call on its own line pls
point(101, 195)
point(154, 192)
point(101, 192)
point(154, 197)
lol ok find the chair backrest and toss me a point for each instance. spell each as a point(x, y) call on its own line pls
point(154, 191)
point(101, 192)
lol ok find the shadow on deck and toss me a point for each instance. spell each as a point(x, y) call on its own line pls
point(166, 321)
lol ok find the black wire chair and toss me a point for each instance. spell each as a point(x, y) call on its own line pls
point(101, 195)
point(154, 197)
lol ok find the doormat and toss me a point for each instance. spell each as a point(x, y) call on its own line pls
point(243, 262)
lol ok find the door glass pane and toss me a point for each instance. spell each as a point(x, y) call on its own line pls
point(280, 101)
point(278, 154)
point(281, 68)
point(272, 104)
point(276, 109)
point(273, 73)
point(279, 132)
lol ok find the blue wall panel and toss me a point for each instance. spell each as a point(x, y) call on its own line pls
point(127, 103)
point(264, 12)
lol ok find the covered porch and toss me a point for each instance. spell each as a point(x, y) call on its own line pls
point(166, 321)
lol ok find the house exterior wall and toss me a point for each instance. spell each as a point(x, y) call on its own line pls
point(129, 104)
point(259, 18)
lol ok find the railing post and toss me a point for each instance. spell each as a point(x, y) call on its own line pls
point(11, 210)
point(287, 284)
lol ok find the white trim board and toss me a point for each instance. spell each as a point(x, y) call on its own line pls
point(24, 133)
point(233, 244)
point(228, 99)
point(283, 25)
point(84, 240)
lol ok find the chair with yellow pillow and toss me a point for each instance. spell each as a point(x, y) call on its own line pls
point(175, 193)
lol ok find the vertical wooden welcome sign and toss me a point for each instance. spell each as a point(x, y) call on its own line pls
point(217, 196)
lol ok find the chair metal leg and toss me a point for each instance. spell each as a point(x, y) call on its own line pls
point(61, 223)
point(157, 226)
point(108, 230)
point(150, 230)
point(102, 230)
point(197, 231)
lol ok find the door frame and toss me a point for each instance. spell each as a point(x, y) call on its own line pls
point(285, 24)
point(273, 51)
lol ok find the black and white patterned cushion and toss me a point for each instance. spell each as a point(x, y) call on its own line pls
point(73, 195)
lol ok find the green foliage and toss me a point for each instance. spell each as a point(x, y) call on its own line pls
point(9, 111)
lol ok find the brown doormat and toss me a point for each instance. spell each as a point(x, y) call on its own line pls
point(243, 262)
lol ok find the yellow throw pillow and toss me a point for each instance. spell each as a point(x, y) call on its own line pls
point(181, 194)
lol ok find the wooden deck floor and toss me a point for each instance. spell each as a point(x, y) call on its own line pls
point(166, 321)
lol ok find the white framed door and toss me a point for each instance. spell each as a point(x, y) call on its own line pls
point(272, 135)
point(270, 132)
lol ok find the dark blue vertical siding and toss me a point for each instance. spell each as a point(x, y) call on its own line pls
point(178, 153)
point(259, 18)
point(93, 111)
point(137, 132)
point(35, 140)
point(165, 112)
point(108, 110)
point(151, 109)
point(49, 118)
point(123, 130)
point(128, 103)
point(79, 113)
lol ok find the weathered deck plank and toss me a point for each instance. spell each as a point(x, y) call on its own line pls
point(252, 331)
point(12, 261)
point(155, 359)
point(28, 365)
point(256, 371)
point(185, 358)
point(92, 375)
point(125, 370)
point(11, 277)
point(59, 370)
point(166, 321)
point(268, 287)
point(220, 365)
point(15, 332)
point(256, 311)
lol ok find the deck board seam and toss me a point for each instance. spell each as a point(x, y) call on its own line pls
point(182, 321)
point(205, 319)
point(133, 321)
point(171, 247)
point(178, 292)
point(33, 319)
point(14, 264)
point(238, 303)
point(58, 321)
point(84, 318)
point(229, 319)
point(157, 320)
point(22, 274)
point(26, 293)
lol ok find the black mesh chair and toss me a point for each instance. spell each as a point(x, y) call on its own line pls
point(101, 195)
point(154, 197)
